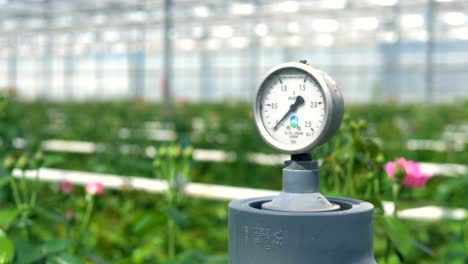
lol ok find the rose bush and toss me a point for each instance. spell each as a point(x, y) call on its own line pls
point(412, 175)
point(130, 226)
point(94, 188)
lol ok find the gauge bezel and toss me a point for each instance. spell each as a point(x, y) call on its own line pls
point(326, 129)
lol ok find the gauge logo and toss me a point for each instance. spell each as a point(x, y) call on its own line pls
point(294, 121)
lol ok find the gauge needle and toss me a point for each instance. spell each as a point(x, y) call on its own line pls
point(292, 108)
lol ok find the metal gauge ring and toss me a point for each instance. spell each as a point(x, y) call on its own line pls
point(297, 107)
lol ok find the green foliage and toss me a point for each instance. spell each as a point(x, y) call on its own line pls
point(352, 162)
point(7, 249)
point(7, 216)
point(135, 227)
point(49, 251)
point(63, 258)
point(5, 180)
point(172, 163)
point(398, 235)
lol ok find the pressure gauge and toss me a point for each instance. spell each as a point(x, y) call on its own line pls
point(297, 107)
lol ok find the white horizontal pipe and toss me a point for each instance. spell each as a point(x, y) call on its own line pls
point(214, 155)
point(111, 181)
point(443, 169)
point(426, 213)
point(210, 155)
point(436, 145)
point(211, 191)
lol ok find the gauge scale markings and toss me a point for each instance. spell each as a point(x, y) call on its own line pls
point(296, 109)
point(290, 117)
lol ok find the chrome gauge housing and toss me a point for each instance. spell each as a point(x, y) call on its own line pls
point(297, 108)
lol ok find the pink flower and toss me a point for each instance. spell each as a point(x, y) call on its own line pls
point(94, 188)
point(66, 187)
point(181, 101)
point(69, 215)
point(413, 176)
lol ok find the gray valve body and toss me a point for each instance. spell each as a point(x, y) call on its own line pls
point(259, 236)
point(300, 225)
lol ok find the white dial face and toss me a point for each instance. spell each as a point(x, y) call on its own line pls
point(292, 107)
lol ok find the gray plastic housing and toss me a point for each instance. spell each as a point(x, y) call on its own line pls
point(300, 189)
point(259, 236)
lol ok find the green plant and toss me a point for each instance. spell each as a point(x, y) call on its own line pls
point(129, 226)
point(172, 163)
point(28, 249)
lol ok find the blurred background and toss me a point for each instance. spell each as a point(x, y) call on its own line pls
point(139, 100)
point(209, 50)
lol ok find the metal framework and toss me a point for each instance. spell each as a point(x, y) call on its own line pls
point(208, 50)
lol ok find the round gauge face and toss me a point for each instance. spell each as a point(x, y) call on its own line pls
point(292, 107)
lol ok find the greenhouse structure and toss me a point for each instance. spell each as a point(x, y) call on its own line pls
point(240, 131)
